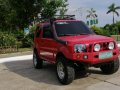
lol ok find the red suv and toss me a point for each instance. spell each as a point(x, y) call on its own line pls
point(72, 46)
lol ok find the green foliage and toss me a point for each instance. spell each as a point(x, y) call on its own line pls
point(27, 41)
point(7, 39)
point(50, 8)
point(32, 30)
point(118, 27)
point(63, 8)
point(114, 29)
point(25, 11)
point(100, 31)
point(4, 12)
point(17, 14)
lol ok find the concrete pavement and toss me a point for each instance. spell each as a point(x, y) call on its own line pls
point(16, 54)
point(19, 74)
point(16, 58)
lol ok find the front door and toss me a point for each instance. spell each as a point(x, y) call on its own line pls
point(48, 44)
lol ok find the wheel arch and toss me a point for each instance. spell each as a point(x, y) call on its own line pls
point(67, 59)
point(59, 54)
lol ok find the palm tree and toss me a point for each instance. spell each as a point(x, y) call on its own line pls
point(113, 9)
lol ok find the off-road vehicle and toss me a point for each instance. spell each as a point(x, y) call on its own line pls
point(69, 43)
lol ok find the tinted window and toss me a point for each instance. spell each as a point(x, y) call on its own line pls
point(47, 33)
point(71, 28)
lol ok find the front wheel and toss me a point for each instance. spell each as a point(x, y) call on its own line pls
point(65, 72)
point(110, 67)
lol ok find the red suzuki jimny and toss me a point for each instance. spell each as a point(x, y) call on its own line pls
point(70, 44)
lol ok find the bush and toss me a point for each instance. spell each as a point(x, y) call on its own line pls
point(27, 42)
point(114, 29)
point(17, 37)
point(7, 39)
point(100, 31)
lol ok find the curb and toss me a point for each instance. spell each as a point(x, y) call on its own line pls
point(15, 54)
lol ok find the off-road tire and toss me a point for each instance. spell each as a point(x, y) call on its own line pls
point(38, 63)
point(110, 67)
point(68, 69)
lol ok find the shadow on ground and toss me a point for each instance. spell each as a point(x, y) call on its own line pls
point(45, 75)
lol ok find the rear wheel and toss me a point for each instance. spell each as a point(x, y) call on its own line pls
point(65, 72)
point(38, 63)
point(110, 67)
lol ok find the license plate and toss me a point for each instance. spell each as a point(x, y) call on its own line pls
point(105, 55)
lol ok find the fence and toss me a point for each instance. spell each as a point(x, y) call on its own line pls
point(8, 49)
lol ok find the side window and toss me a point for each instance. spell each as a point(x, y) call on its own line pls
point(47, 33)
point(38, 31)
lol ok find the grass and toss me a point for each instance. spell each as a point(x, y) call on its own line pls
point(24, 49)
point(11, 50)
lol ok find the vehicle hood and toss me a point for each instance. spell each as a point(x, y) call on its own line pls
point(86, 39)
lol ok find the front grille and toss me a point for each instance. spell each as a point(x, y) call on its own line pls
point(89, 49)
point(103, 45)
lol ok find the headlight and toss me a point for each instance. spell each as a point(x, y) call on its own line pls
point(111, 45)
point(97, 47)
point(79, 48)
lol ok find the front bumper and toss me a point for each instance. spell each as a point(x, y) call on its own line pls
point(93, 57)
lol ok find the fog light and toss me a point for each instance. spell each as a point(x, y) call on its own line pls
point(85, 57)
point(118, 45)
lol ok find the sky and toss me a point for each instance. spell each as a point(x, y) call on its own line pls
point(79, 8)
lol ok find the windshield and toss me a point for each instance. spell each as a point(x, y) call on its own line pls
point(69, 28)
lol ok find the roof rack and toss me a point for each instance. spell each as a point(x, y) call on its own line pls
point(65, 17)
point(57, 17)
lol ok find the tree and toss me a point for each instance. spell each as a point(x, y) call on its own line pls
point(4, 14)
point(50, 8)
point(18, 14)
point(113, 9)
point(25, 10)
point(63, 8)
